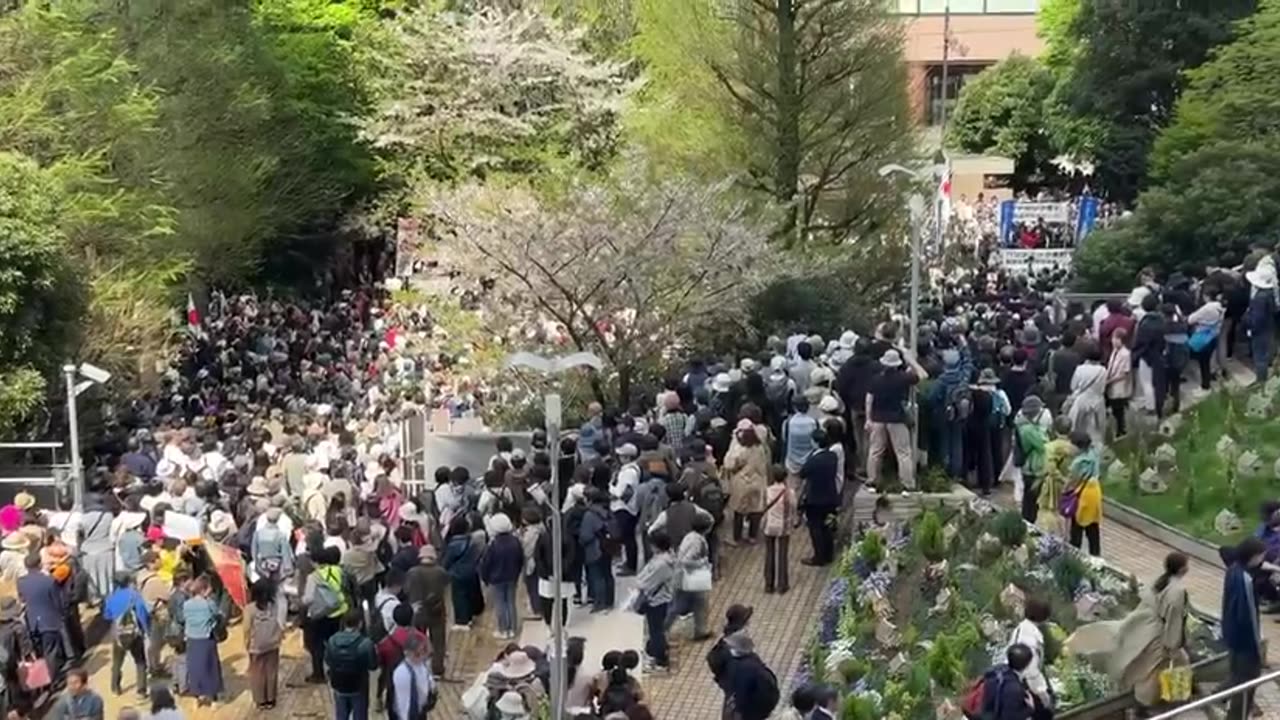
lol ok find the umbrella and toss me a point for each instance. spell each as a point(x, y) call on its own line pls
point(229, 566)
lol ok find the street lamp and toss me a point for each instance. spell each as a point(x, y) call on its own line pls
point(91, 374)
point(555, 365)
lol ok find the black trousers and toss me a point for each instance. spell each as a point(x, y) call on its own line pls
point(1119, 407)
point(775, 563)
point(136, 649)
point(627, 527)
point(1092, 532)
point(1205, 359)
point(822, 534)
point(1243, 668)
point(315, 633)
point(1030, 497)
point(746, 526)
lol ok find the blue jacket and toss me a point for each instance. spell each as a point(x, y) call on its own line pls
point(459, 557)
point(118, 602)
point(1240, 624)
point(593, 523)
point(43, 598)
point(503, 560)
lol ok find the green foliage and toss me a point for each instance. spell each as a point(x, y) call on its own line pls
point(1001, 112)
point(1009, 527)
point(21, 394)
point(930, 538)
point(945, 663)
point(860, 707)
point(1068, 572)
point(871, 549)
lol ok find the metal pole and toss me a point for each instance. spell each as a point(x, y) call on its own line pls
point(946, 62)
point(1220, 696)
point(73, 423)
point(914, 347)
point(557, 562)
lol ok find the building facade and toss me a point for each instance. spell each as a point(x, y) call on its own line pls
point(981, 33)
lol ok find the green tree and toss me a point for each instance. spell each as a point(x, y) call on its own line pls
point(807, 98)
point(1001, 111)
point(1124, 67)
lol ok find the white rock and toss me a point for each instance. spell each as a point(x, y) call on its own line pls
point(1226, 447)
point(1118, 473)
point(1169, 426)
point(1227, 522)
point(1166, 456)
point(1021, 555)
point(942, 604)
point(1249, 464)
point(887, 633)
point(947, 710)
point(1259, 405)
point(898, 665)
point(1013, 599)
point(1150, 482)
point(1088, 607)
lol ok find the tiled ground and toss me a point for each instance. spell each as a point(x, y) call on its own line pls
point(781, 625)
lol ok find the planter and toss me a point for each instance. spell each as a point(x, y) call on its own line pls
point(904, 508)
point(1179, 540)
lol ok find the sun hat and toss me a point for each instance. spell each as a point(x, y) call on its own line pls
point(848, 339)
point(500, 524)
point(408, 513)
point(511, 704)
point(517, 665)
point(829, 404)
point(24, 500)
point(1032, 405)
point(1262, 277)
point(891, 358)
point(778, 364)
point(988, 377)
point(627, 450)
point(220, 523)
point(258, 486)
point(749, 365)
point(721, 383)
point(822, 376)
point(17, 541)
point(131, 520)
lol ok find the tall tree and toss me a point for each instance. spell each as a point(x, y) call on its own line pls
point(808, 95)
point(1124, 67)
point(1002, 111)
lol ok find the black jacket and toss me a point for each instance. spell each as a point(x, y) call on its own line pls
point(819, 474)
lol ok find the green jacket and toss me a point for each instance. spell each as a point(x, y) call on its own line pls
point(1032, 438)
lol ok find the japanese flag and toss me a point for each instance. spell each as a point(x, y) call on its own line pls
point(193, 315)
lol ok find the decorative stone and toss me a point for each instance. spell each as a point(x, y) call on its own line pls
point(887, 633)
point(947, 710)
point(1272, 385)
point(1013, 599)
point(1118, 472)
point(1166, 456)
point(882, 608)
point(1021, 555)
point(1249, 464)
point(936, 570)
point(1259, 405)
point(949, 532)
point(1169, 426)
point(1227, 522)
point(1226, 447)
point(1150, 483)
point(988, 544)
point(1088, 607)
point(1276, 468)
point(942, 604)
point(898, 665)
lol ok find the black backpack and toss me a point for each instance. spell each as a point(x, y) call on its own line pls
point(617, 697)
point(710, 497)
point(377, 628)
point(959, 402)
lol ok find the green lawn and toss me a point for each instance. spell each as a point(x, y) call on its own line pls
point(1200, 487)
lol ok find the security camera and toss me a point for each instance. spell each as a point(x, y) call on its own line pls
point(94, 373)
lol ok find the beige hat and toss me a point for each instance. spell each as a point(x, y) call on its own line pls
point(258, 486)
point(24, 500)
point(511, 704)
point(16, 541)
point(517, 665)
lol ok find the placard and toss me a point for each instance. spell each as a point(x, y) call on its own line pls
point(181, 527)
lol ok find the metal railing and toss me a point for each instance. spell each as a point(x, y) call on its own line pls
point(1221, 696)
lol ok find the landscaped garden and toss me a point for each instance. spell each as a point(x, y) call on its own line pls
point(1209, 475)
point(917, 611)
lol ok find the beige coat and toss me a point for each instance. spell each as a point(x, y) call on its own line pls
point(780, 516)
point(1137, 647)
point(748, 472)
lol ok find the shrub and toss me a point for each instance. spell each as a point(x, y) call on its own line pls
point(930, 538)
point(871, 550)
point(1010, 528)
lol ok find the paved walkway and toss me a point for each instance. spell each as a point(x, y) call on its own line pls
point(781, 626)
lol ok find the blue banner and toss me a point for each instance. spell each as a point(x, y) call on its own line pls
point(1006, 221)
point(1087, 217)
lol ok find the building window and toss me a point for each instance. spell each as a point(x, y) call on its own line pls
point(956, 76)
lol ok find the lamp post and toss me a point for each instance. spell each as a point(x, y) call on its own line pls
point(91, 374)
point(555, 365)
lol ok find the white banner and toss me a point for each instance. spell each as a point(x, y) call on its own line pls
point(1051, 212)
point(1023, 261)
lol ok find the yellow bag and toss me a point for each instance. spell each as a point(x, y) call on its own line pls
point(1175, 683)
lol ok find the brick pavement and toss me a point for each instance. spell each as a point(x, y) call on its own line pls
point(781, 626)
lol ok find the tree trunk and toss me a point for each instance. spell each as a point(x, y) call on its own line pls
point(624, 387)
point(787, 173)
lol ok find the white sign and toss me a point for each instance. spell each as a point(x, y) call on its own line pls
point(1051, 212)
point(1023, 261)
point(181, 527)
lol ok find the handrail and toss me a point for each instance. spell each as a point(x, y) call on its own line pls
point(1220, 696)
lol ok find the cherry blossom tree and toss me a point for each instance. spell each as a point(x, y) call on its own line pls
point(630, 268)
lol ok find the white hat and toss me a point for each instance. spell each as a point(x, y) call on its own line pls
point(17, 541)
point(1263, 276)
point(627, 450)
point(778, 363)
point(829, 404)
point(848, 339)
point(500, 524)
point(220, 523)
point(409, 513)
point(517, 665)
point(131, 520)
point(721, 383)
point(821, 376)
point(511, 704)
point(258, 486)
point(749, 365)
point(891, 358)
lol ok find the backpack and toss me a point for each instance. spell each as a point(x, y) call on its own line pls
point(765, 695)
point(710, 497)
point(271, 539)
point(655, 503)
point(617, 697)
point(973, 704)
point(776, 391)
point(1017, 453)
point(377, 628)
point(959, 402)
point(327, 599)
point(609, 536)
point(1000, 410)
point(124, 629)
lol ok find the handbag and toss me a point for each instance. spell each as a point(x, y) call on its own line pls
point(1175, 683)
point(1203, 335)
point(696, 580)
point(34, 674)
point(1068, 503)
point(636, 602)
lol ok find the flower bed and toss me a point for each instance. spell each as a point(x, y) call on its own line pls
point(1208, 473)
point(917, 611)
